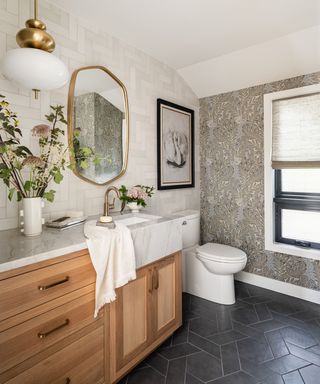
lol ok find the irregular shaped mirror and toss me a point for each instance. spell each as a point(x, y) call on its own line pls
point(98, 124)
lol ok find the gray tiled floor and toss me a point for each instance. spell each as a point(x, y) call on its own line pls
point(264, 338)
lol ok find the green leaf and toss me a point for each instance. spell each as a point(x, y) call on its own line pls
point(49, 195)
point(11, 193)
point(4, 171)
point(23, 151)
point(86, 151)
point(17, 164)
point(84, 164)
point(58, 177)
point(19, 196)
point(96, 161)
point(28, 185)
point(77, 132)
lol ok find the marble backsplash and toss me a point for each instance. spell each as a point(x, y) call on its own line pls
point(231, 173)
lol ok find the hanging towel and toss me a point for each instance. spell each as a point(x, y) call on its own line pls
point(113, 258)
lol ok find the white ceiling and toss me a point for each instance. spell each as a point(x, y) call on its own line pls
point(184, 32)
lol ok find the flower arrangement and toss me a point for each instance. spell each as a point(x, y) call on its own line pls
point(137, 194)
point(24, 173)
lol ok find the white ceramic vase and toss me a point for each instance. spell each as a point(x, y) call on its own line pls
point(32, 216)
point(135, 208)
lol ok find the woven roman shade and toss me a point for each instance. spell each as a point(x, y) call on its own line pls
point(296, 132)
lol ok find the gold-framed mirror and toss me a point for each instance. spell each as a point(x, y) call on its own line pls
point(98, 125)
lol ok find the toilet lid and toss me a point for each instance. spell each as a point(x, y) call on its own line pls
point(221, 252)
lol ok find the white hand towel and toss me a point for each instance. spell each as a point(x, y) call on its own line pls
point(113, 258)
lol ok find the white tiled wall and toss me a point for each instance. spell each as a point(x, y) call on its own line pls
point(146, 79)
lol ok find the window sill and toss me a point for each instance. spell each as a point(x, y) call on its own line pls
point(293, 250)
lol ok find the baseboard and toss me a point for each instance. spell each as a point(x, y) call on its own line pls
point(279, 286)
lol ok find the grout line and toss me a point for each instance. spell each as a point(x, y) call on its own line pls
point(238, 356)
point(197, 378)
point(203, 350)
point(185, 370)
point(155, 369)
point(222, 369)
point(189, 354)
point(301, 376)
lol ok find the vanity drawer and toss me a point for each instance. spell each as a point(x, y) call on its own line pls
point(79, 363)
point(33, 336)
point(28, 290)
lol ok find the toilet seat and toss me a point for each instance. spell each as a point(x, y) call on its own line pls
point(221, 253)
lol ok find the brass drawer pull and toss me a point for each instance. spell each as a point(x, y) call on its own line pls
point(45, 287)
point(43, 335)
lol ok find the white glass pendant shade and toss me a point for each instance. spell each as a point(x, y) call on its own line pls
point(34, 69)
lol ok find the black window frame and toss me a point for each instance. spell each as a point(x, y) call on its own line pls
point(298, 201)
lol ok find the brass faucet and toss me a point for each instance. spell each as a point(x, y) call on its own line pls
point(107, 205)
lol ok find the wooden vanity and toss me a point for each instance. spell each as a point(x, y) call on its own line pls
point(47, 331)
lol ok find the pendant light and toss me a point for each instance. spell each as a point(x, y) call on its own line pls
point(32, 65)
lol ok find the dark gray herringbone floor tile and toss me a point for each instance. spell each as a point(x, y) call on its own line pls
point(310, 374)
point(293, 378)
point(236, 378)
point(176, 371)
point(230, 358)
point(204, 344)
point(277, 344)
point(264, 338)
point(227, 337)
point(204, 366)
point(286, 364)
point(179, 350)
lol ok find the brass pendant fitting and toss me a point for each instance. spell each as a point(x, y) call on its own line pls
point(35, 36)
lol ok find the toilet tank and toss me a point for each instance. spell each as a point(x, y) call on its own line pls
point(190, 228)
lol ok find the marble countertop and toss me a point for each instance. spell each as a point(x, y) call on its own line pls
point(153, 239)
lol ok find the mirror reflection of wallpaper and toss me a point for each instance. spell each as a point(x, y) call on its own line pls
point(100, 124)
point(232, 172)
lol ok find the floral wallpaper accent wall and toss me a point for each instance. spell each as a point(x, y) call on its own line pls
point(231, 173)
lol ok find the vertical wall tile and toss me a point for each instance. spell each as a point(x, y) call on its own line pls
point(79, 44)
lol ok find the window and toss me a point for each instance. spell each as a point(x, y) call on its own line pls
point(292, 171)
point(297, 207)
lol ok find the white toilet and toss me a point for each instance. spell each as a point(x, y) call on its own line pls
point(208, 269)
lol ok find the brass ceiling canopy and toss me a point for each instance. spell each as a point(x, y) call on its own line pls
point(35, 35)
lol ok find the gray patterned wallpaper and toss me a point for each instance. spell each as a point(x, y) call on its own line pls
point(231, 173)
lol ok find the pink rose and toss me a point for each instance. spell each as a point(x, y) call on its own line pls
point(41, 130)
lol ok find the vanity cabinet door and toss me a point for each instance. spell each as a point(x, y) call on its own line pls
point(147, 311)
point(167, 304)
point(130, 322)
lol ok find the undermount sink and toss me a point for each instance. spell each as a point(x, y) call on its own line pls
point(136, 218)
point(154, 237)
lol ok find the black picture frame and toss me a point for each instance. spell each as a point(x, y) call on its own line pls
point(188, 137)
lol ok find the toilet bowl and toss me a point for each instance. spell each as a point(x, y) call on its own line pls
point(222, 262)
point(208, 270)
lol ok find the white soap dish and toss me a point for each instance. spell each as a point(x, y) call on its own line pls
point(110, 225)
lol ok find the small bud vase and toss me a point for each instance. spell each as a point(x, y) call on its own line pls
point(32, 216)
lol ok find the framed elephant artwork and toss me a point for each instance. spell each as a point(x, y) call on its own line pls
point(175, 145)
